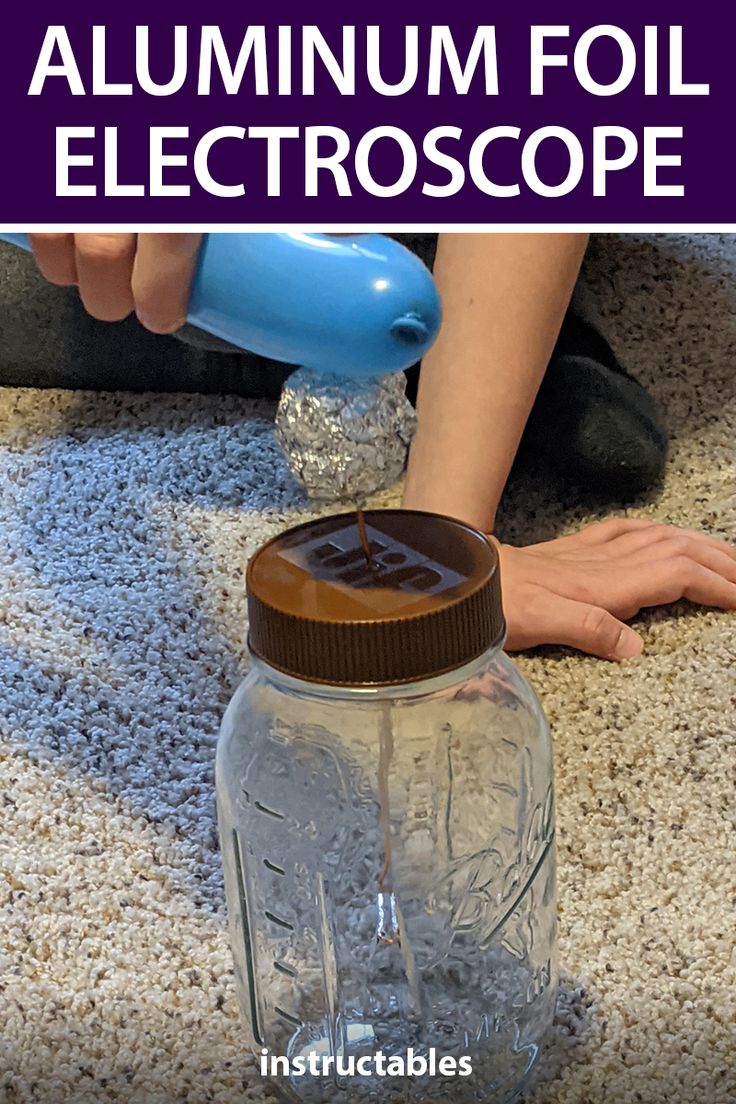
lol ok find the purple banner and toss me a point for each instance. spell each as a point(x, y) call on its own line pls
point(398, 114)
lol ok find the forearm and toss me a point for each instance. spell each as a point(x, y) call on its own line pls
point(504, 297)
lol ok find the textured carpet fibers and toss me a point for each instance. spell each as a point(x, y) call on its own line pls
point(126, 521)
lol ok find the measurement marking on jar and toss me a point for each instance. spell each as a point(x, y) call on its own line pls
point(504, 787)
point(269, 812)
point(293, 1020)
point(247, 943)
point(283, 969)
point(273, 867)
point(278, 920)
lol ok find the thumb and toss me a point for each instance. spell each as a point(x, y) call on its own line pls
point(591, 629)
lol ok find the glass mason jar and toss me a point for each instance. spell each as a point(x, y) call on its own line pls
point(385, 802)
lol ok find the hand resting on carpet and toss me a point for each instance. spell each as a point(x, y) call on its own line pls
point(579, 590)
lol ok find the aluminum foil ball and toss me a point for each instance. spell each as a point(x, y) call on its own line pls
point(345, 438)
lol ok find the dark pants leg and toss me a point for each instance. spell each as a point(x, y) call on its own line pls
point(48, 340)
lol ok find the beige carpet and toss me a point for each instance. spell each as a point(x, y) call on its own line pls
point(125, 523)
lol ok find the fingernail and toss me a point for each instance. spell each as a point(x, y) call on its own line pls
point(155, 325)
point(628, 645)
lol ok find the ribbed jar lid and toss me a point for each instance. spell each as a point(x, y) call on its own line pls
point(429, 601)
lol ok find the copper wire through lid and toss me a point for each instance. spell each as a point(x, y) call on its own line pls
point(429, 601)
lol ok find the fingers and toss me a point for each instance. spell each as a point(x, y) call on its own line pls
point(637, 540)
point(104, 264)
point(100, 264)
point(662, 581)
point(54, 254)
point(703, 575)
point(654, 536)
point(117, 273)
point(712, 554)
point(554, 619)
point(162, 276)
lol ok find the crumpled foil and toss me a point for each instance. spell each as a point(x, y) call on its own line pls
point(345, 438)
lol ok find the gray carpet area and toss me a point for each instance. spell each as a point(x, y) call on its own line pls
point(126, 523)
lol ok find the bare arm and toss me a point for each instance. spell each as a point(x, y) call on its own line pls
point(504, 297)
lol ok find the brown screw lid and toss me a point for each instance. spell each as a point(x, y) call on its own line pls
point(429, 601)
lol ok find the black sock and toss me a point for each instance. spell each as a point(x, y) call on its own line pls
point(592, 421)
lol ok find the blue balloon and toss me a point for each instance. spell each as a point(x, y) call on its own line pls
point(353, 305)
point(17, 239)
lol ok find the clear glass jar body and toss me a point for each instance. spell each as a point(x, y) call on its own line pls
point(390, 878)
